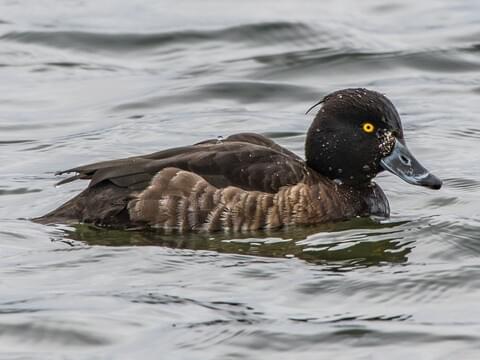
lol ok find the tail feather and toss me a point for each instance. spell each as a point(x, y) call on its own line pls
point(104, 204)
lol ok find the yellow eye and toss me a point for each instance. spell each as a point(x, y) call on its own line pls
point(368, 127)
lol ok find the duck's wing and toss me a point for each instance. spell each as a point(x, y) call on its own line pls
point(248, 161)
point(256, 139)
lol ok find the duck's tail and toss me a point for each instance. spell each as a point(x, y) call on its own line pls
point(103, 204)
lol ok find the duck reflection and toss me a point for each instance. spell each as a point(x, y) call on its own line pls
point(358, 242)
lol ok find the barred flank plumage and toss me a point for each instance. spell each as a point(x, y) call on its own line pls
point(178, 199)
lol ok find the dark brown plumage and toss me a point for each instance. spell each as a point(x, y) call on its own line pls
point(248, 182)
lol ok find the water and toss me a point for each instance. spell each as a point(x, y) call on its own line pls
point(87, 81)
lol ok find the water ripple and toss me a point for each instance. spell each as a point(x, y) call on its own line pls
point(111, 79)
point(262, 33)
point(53, 333)
point(241, 91)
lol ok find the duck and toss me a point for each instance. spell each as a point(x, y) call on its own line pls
point(247, 182)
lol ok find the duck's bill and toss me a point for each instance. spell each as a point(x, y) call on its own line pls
point(403, 164)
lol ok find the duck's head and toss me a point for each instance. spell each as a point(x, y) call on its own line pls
point(356, 134)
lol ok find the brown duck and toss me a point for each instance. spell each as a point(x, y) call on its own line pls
point(248, 182)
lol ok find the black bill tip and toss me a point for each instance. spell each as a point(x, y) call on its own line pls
point(432, 182)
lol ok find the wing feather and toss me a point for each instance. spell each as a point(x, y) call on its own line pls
point(248, 161)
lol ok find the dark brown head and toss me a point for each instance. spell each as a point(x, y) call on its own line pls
point(356, 134)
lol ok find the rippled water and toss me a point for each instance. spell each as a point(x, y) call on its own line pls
point(86, 81)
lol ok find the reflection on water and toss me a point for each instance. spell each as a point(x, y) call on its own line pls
point(381, 243)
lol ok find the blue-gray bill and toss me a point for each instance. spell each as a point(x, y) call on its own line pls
point(403, 164)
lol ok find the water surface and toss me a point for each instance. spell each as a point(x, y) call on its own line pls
point(86, 81)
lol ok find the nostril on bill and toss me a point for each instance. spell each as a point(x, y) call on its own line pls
point(405, 160)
